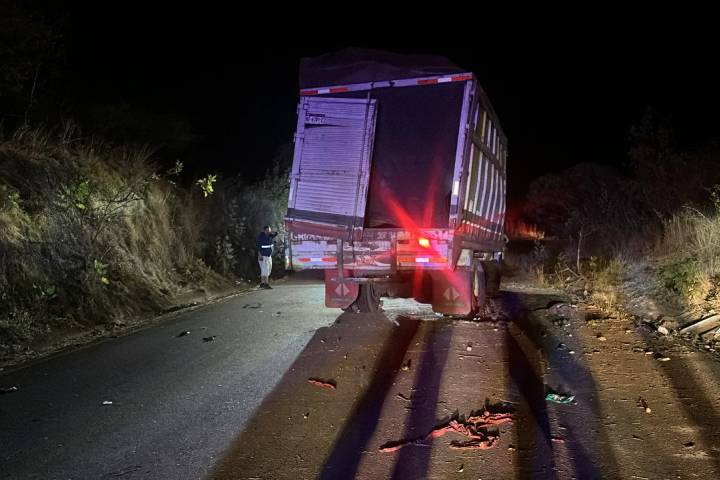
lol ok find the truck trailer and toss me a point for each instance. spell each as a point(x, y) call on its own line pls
point(397, 186)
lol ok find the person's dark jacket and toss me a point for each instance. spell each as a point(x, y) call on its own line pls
point(264, 243)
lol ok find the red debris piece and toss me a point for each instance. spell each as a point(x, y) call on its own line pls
point(473, 428)
point(476, 444)
point(322, 383)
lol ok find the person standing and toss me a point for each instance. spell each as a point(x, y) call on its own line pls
point(264, 244)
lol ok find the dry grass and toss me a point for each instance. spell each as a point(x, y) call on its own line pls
point(606, 286)
point(688, 258)
point(89, 234)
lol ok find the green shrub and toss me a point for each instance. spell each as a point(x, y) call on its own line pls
point(679, 277)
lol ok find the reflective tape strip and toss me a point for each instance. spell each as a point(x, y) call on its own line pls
point(405, 82)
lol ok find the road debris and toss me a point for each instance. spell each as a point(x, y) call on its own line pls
point(406, 366)
point(182, 334)
point(641, 402)
point(211, 338)
point(322, 383)
point(107, 402)
point(252, 305)
point(559, 398)
point(474, 428)
point(461, 469)
point(663, 330)
point(557, 439)
point(661, 358)
point(601, 337)
point(8, 389)
point(702, 326)
point(689, 444)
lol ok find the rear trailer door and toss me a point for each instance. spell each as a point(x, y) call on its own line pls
point(331, 165)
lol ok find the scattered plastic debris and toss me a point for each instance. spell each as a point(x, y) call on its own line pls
point(663, 330)
point(211, 338)
point(182, 334)
point(644, 404)
point(474, 428)
point(8, 389)
point(322, 383)
point(559, 398)
point(306, 415)
point(461, 469)
point(107, 402)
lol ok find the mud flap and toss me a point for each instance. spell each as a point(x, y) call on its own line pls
point(452, 292)
point(339, 294)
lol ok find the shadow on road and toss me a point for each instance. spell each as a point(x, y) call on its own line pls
point(693, 397)
point(345, 456)
point(305, 431)
point(531, 351)
point(413, 462)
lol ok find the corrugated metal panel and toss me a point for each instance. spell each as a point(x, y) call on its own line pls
point(484, 202)
point(333, 147)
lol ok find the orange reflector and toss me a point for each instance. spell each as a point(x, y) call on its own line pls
point(424, 242)
point(433, 260)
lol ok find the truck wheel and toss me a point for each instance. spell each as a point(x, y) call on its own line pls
point(492, 277)
point(368, 300)
point(478, 291)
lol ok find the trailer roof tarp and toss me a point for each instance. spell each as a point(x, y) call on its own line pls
point(359, 65)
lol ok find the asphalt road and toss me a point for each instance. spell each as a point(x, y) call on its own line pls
point(291, 390)
point(176, 401)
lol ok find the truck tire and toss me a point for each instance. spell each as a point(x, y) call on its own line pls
point(493, 272)
point(368, 300)
point(477, 292)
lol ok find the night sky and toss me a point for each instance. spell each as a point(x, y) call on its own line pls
point(564, 94)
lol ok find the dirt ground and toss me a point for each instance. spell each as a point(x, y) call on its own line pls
point(644, 407)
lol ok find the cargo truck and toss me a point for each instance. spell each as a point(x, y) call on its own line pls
point(398, 179)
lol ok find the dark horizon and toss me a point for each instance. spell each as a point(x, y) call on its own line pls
point(563, 98)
